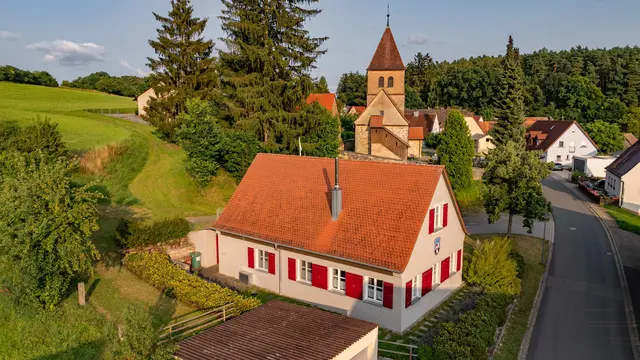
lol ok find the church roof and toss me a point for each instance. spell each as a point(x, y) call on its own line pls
point(387, 56)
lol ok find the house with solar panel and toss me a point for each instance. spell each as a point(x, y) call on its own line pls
point(378, 241)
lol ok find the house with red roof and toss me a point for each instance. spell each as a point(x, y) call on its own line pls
point(560, 141)
point(326, 100)
point(355, 110)
point(378, 241)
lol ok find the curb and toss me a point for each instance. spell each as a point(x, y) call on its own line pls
point(533, 316)
point(626, 298)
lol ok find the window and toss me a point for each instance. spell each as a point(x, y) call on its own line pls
point(305, 271)
point(452, 263)
point(338, 279)
point(436, 275)
point(374, 289)
point(437, 219)
point(573, 131)
point(415, 292)
point(380, 82)
point(567, 157)
point(263, 260)
point(572, 147)
point(558, 157)
point(561, 144)
point(381, 112)
point(583, 144)
point(390, 82)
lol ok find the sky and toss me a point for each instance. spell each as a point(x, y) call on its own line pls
point(72, 38)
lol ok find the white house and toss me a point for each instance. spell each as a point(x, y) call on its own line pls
point(560, 141)
point(623, 178)
point(377, 241)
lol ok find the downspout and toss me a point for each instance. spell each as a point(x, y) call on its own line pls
point(621, 192)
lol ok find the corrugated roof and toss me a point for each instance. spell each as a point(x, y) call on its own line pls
point(626, 161)
point(286, 200)
point(387, 56)
point(277, 330)
point(326, 100)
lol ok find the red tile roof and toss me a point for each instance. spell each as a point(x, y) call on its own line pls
point(549, 131)
point(375, 121)
point(326, 100)
point(285, 200)
point(387, 56)
point(416, 133)
point(358, 109)
point(486, 126)
point(277, 330)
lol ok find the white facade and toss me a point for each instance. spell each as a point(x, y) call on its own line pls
point(593, 166)
point(626, 188)
point(364, 349)
point(572, 143)
point(612, 184)
point(234, 256)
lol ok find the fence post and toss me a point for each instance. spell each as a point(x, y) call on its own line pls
point(410, 353)
point(224, 313)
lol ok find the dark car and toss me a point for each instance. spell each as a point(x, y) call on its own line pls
point(557, 166)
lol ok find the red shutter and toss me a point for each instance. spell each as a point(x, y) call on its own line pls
point(272, 263)
point(354, 285)
point(387, 295)
point(444, 269)
point(292, 269)
point(432, 218)
point(445, 215)
point(427, 281)
point(251, 260)
point(319, 276)
point(407, 295)
point(459, 261)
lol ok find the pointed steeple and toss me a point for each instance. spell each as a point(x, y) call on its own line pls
point(387, 56)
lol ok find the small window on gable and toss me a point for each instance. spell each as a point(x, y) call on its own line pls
point(381, 82)
point(390, 82)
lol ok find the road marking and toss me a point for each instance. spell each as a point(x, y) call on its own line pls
point(572, 229)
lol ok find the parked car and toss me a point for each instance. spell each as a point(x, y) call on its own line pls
point(557, 166)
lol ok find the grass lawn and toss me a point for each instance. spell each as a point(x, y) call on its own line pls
point(470, 199)
point(530, 248)
point(624, 218)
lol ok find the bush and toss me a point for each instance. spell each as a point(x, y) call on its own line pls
point(432, 141)
point(577, 175)
point(520, 263)
point(131, 234)
point(493, 268)
point(140, 338)
point(155, 268)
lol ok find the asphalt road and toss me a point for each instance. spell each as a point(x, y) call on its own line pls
point(581, 315)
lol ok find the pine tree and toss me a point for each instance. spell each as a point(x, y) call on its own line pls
point(510, 100)
point(265, 69)
point(184, 68)
point(322, 86)
point(455, 151)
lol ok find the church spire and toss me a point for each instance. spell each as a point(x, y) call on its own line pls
point(388, 15)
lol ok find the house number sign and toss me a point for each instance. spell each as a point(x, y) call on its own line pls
point(436, 245)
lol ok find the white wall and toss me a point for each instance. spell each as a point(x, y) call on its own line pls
point(575, 135)
point(631, 190)
point(204, 242)
point(364, 349)
point(612, 184)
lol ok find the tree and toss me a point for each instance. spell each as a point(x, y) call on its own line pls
point(631, 122)
point(455, 151)
point(347, 123)
point(184, 68)
point(510, 100)
point(321, 86)
point(265, 67)
point(513, 184)
point(352, 89)
point(45, 226)
point(322, 133)
point(493, 268)
point(606, 135)
point(412, 99)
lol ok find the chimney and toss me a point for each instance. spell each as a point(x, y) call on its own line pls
point(336, 197)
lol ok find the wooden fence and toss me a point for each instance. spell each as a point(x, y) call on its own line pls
point(199, 322)
point(411, 350)
point(112, 111)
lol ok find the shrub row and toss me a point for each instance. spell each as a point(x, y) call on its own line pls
point(131, 234)
point(156, 269)
point(472, 334)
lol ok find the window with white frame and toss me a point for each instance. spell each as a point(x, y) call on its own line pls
point(263, 260)
point(415, 288)
point(560, 143)
point(452, 263)
point(374, 289)
point(304, 272)
point(436, 275)
point(584, 144)
point(338, 279)
point(437, 219)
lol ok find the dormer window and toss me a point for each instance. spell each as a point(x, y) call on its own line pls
point(381, 82)
point(390, 82)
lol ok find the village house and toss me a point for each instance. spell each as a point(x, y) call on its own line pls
point(326, 100)
point(143, 99)
point(623, 178)
point(355, 110)
point(559, 141)
point(377, 241)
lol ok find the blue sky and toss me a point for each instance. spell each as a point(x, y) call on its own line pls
point(71, 38)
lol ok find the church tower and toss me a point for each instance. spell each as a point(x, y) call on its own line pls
point(386, 70)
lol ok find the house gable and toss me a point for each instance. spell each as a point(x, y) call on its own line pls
point(382, 102)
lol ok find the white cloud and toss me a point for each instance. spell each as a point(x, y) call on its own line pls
point(418, 39)
point(69, 53)
point(8, 35)
point(137, 71)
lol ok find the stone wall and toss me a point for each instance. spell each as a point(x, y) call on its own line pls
point(401, 131)
point(362, 139)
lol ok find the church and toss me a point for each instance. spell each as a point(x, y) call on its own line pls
point(382, 128)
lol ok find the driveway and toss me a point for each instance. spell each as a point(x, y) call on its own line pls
point(581, 315)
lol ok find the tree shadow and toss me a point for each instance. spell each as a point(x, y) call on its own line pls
point(88, 350)
point(105, 237)
point(163, 310)
point(92, 288)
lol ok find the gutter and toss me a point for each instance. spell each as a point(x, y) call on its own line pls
point(276, 245)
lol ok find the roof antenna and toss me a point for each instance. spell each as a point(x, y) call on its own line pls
point(387, 15)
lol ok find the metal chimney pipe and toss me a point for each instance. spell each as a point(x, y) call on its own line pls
point(337, 167)
point(336, 196)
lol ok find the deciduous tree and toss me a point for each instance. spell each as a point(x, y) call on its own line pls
point(606, 135)
point(352, 89)
point(456, 150)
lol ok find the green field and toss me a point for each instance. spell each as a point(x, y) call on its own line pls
point(141, 176)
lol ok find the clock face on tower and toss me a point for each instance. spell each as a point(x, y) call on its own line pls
point(436, 245)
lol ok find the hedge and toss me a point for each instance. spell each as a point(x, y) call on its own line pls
point(472, 334)
point(131, 234)
point(156, 269)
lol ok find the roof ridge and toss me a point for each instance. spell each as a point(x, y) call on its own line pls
point(398, 162)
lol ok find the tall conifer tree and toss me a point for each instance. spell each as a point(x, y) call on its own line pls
point(184, 67)
point(510, 100)
point(265, 68)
